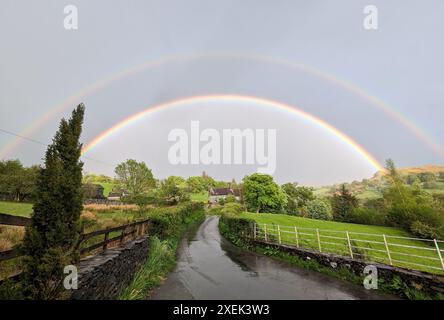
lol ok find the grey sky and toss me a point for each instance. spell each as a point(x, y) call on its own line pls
point(402, 63)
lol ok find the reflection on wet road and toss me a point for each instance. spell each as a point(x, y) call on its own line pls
point(209, 267)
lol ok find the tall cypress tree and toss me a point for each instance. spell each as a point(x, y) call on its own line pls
point(50, 240)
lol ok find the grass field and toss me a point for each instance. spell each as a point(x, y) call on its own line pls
point(200, 197)
point(367, 241)
point(108, 187)
point(16, 208)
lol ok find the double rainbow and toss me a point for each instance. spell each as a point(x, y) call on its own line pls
point(358, 149)
point(377, 103)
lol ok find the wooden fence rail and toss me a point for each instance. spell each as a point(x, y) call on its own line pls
point(9, 220)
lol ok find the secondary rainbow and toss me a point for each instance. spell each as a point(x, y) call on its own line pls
point(358, 149)
point(374, 101)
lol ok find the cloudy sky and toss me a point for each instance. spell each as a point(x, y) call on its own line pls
point(128, 56)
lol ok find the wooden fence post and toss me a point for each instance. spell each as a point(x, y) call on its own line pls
point(254, 231)
point(439, 253)
point(105, 244)
point(122, 236)
point(349, 245)
point(296, 235)
point(387, 248)
point(279, 234)
point(265, 232)
point(319, 240)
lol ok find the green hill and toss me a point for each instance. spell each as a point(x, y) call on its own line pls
point(429, 177)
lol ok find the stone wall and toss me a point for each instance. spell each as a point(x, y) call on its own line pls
point(422, 281)
point(105, 275)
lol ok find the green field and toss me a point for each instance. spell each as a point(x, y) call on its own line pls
point(333, 240)
point(108, 187)
point(16, 208)
point(200, 197)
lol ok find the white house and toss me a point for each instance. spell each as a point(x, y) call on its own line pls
point(215, 194)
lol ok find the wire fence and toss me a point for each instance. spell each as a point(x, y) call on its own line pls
point(407, 252)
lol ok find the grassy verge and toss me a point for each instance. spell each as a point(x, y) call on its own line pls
point(234, 229)
point(169, 229)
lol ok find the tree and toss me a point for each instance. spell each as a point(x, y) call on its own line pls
point(318, 209)
point(51, 240)
point(297, 197)
point(172, 191)
point(343, 204)
point(135, 177)
point(17, 182)
point(262, 194)
point(202, 183)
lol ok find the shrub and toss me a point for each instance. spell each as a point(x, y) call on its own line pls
point(232, 208)
point(166, 221)
point(234, 227)
point(369, 216)
point(427, 220)
point(215, 211)
point(423, 230)
point(318, 209)
point(230, 198)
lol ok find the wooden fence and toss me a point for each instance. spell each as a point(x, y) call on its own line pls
point(10, 220)
point(127, 232)
point(88, 242)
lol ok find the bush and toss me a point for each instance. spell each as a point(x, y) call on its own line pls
point(232, 208)
point(166, 221)
point(318, 209)
point(234, 227)
point(369, 216)
point(423, 230)
point(215, 211)
point(418, 218)
point(230, 198)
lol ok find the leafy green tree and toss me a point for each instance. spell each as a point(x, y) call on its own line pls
point(297, 197)
point(135, 177)
point(318, 209)
point(51, 240)
point(199, 184)
point(343, 204)
point(17, 182)
point(172, 191)
point(427, 177)
point(262, 194)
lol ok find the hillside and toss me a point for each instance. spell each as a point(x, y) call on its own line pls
point(429, 177)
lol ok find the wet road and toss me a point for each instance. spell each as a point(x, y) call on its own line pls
point(209, 267)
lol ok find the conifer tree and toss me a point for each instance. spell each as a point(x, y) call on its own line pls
point(51, 239)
